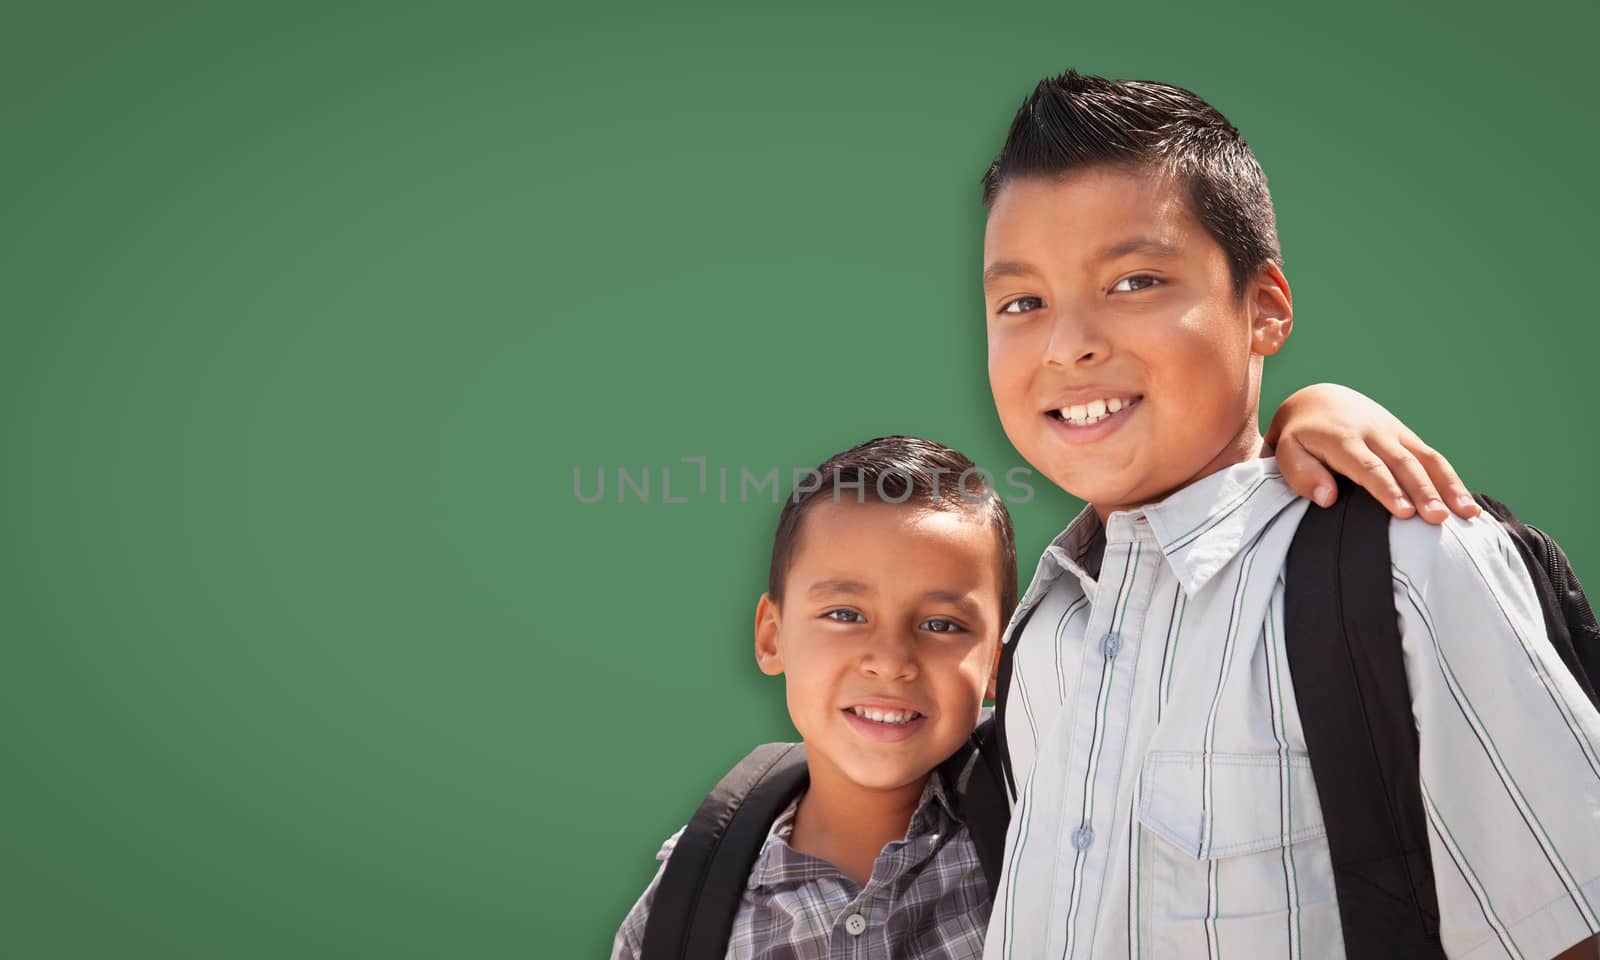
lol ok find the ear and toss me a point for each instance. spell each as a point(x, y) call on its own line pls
point(1271, 307)
point(768, 657)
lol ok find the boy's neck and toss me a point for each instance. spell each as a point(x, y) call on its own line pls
point(849, 825)
point(1247, 445)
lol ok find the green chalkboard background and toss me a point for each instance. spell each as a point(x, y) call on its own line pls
point(311, 311)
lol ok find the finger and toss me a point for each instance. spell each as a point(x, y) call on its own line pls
point(1358, 461)
point(1445, 479)
point(1413, 478)
point(1305, 474)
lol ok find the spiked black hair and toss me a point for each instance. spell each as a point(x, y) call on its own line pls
point(1075, 121)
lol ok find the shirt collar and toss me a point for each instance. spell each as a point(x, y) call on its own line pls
point(1061, 556)
point(1199, 529)
point(780, 864)
point(1202, 527)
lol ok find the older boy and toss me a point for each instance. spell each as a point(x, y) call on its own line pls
point(1134, 286)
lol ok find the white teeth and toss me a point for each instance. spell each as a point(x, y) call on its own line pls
point(1082, 415)
point(885, 716)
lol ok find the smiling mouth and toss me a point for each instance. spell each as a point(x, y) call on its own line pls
point(1091, 413)
point(896, 718)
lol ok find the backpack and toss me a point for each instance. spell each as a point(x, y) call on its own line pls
point(698, 896)
point(1342, 640)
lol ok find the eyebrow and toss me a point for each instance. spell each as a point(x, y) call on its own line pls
point(823, 587)
point(838, 586)
point(1145, 245)
point(954, 599)
point(1006, 268)
point(1148, 245)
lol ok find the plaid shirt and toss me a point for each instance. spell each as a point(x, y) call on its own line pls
point(926, 898)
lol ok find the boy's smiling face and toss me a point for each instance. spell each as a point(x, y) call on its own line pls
point(1124, 364)
point(886, 636)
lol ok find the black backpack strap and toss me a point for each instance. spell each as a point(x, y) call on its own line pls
point(1002, 687)
point(1342, 639)
point(1568, 618)
point(976, 780)
point(700, 890)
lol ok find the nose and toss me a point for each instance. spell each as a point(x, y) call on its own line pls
point(890, 655)
point(1076, 339)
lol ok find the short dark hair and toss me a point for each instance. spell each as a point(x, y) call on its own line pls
point(1075, 121)
point(899, 470)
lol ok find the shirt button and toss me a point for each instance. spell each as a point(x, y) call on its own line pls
point(855, 924)
point(1082, 838)
point(1110, 645)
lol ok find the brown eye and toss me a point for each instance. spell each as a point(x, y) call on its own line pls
point(1022, 305)
point(844, 616)
point(1134, 284)
point(941, 625)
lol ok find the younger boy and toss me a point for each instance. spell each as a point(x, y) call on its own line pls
point(886, 594)
point(1167, 809)
point(888, 587)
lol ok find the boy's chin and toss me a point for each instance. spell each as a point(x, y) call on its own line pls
point(1085, 473)
point(1095, 489)
point(886, 781)
point(879, 774)
point(1118, 486)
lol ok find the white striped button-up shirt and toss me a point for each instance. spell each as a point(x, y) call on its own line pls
point(1167, 807)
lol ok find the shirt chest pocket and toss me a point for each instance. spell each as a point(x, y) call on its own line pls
point(1232, 857)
